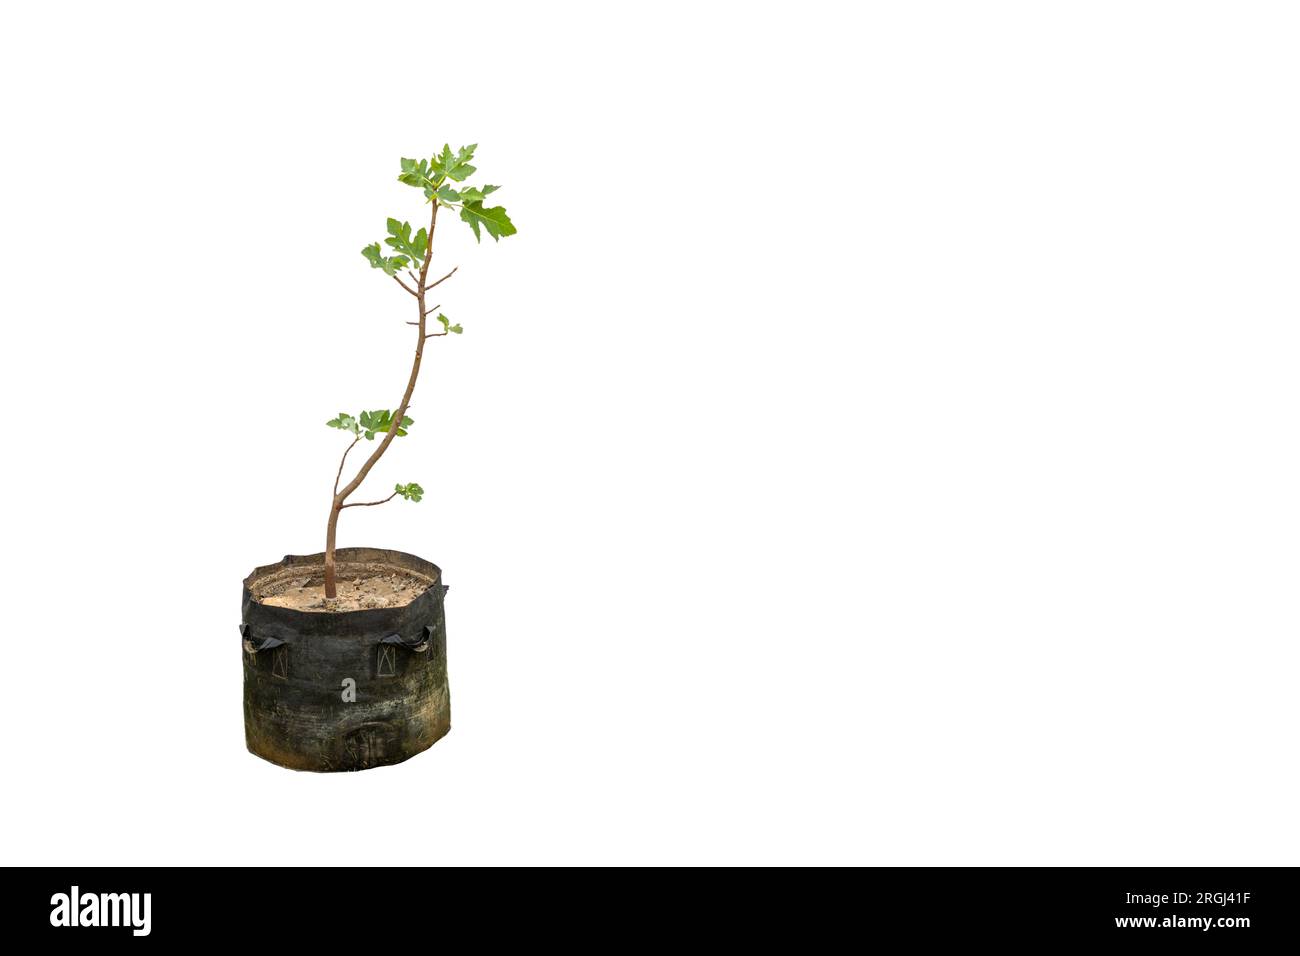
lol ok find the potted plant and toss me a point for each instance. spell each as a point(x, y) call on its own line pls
point(345, 660)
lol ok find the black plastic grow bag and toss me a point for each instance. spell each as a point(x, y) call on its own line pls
point(298, 665)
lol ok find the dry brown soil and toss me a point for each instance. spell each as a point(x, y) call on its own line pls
point(360, 586)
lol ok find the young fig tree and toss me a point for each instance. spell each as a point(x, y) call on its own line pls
point(442, 181)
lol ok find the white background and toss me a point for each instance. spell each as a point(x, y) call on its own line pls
point(878, 445)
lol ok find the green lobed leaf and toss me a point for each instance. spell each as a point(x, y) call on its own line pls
point(493, 219)
point(346, 422)
point(455, 166)
point(391, 266)
point(400, 238)
point(476, 194)
point(416, 173)
point(368, 421)
point(387, 423)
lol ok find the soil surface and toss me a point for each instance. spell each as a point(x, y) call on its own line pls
point(360, 587)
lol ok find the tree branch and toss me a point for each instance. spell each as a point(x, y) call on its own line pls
point(345, 458)
point(440, 281)
point(398, 280)
point(427, 313)
point(369, 504)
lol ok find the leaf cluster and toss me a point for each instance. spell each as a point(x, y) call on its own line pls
point(447, 326)
point(429, 174)
point(370, 424)
point(434, 177)
point(411, 492)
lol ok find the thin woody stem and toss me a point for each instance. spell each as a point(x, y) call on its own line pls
point(342, 460)
point(341, 496)
point(428, 311)
point(426, 266)
point(369, 504)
